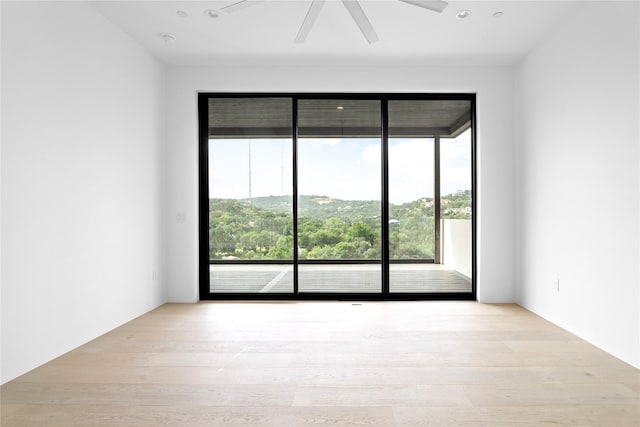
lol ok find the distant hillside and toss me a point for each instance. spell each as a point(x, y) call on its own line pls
point(455, 205)
point(328, 228)
point(318, 207)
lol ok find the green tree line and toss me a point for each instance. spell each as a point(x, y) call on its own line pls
point(328, 229)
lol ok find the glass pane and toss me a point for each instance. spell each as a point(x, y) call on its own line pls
point(411, 206)
point(418, 130)
point(254, 278)
point(250, 193)
point(250, 202)
point(339, 191)
point(455, 206)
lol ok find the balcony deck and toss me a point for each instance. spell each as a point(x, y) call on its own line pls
point(336, 278)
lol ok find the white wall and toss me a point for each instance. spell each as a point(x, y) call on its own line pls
point(456, 245)
point(0, 196)
point(82, 180)
point(496, 155)
point(578, 177)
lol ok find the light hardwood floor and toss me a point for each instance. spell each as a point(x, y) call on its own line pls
point(330, 364)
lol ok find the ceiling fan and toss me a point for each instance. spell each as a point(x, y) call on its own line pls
point(352, 6)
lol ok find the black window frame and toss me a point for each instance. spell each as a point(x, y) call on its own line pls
point(203, 203)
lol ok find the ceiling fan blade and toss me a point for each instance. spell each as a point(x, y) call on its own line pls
point(361, 19)
point(242, 4)
point(434, 5)
point(309, 20)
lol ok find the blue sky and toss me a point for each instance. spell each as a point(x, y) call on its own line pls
point(341, 168)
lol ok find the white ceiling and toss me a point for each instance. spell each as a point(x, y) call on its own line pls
point(264, 32)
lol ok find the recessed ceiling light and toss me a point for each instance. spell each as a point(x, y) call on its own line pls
point(182, 13)
point(463, 14)
point(168, 38)
point(339, 107)
point(211, 13)
point(498, 14)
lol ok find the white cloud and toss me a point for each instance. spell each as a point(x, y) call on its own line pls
point(410, 169)
point(455, 160)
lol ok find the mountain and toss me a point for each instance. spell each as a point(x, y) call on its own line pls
point(318, 207)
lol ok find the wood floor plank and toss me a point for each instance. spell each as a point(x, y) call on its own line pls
point(147, 394)
point(495, 416)
point(380, 395)
point(200, 375)
point(197, 416)
point(296, 364)
point(551, 394)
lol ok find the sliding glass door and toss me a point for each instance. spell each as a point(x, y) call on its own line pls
point(339, 196)
point(250, 195)
point(427, 173)
point(336, 195)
